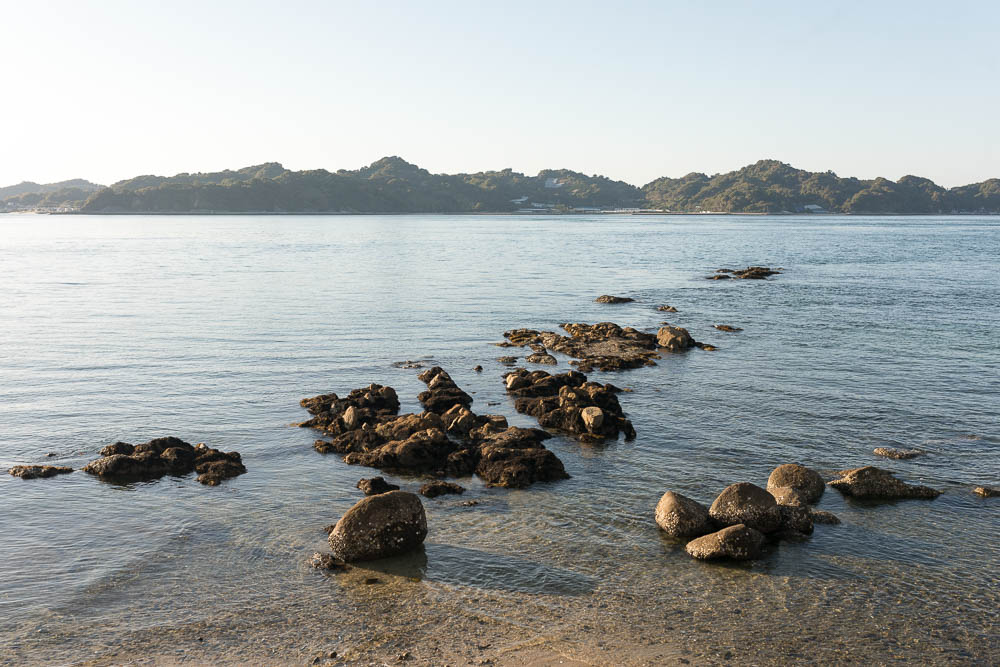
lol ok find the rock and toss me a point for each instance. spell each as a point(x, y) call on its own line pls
point(786, 495)
point(706, 347)
point(607, 298)
point(674, 339)
point(593, 418)
point(166, 456)
point(796, 519)
point(507, 360)
point(679, 516)
point(516, 468)
point(117, 448)
point(408, 364)
point(478, 369)
point(328, 562)
point(737, 542)
point(559, 402)
point(986, 492)
point(380, 526)
point(34, 472)
point(798, 477)
point(442, 392)
point(541, 358)
point(605, 345)
point(351, 418)
point(822, 516)
point(435, 489)
point(719, 276)
point(371, 405)
point(747, 504)
point(872, 482)
point(375, 485)
point(893, 453)
point(726, 327)
point(666, 309)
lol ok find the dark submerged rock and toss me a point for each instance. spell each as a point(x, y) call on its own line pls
point(747, 504)
point(375, 486)
point(737, 542)
point(38, 472)
point(875, 483)
point(795, 520)
point(680, 516)
point(822, 516)
point(438, 488)
point(607, 298)
point(899, 454)
point(803, 479)
point(726, 327)
point(380, 526)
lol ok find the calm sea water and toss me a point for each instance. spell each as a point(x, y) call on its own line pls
point(882, 331)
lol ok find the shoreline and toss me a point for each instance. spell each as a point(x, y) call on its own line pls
point(509, 213)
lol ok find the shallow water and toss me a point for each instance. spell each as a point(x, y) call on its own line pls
point(882, 331)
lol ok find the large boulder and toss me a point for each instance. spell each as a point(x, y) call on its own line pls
point(786, 495)
point(875, 483)
point(680, 516)
point(748, 504)
point(798, 477)
point(737, 542)
point(380, 526)
point(674, 339)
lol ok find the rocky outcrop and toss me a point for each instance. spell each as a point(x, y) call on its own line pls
point(452, 442)
point(604, 346)
point(674, 339)
point(375, 485)
point(442, 392)
point(749, 273)
point(334, 415)
point(607, 298)
point(122, 462)
point(36, 472)
point(568, 402)
point(680, 516)
point(380, 526)
point(986, 492)
point(739, 542)
point(438, 488)
point(798, 477)
point(893, 453)
point(726, 327)
point(747, 504)
point(875, 483)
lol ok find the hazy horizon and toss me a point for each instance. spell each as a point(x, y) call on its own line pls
point(110, 90)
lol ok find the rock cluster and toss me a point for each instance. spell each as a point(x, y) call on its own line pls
point(874, 483)
point(447, 440)
point(567, 402)
point(749, 273)
point(123, 462)
point(605, 345)
point(607, 298)
point(34, 472)
point(744, 516)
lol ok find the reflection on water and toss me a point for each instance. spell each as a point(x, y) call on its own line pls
point(878, 334)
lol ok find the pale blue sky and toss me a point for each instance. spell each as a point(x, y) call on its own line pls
point(108, 89)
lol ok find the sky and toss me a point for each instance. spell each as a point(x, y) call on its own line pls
point(110, 89)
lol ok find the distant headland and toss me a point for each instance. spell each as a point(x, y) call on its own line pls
point(392, 185)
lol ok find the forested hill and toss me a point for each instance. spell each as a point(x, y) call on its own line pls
point(392, 185)
point(26, 195)
point(770, 186)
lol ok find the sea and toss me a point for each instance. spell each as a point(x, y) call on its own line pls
point(879, 332)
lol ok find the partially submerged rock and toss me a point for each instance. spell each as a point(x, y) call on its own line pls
point(726, 327)
point(798, 477)
point(666, 309)
point(795, 520)
point(986, 492)
point(893, 453)
point(674, 339)
point(749, 273)
point(680, 516)
point(822, 516)
point(380, 526)
point(375, 485)
point(607, 298)
point(36, 472)
point(541, 358)
point(123, 462)
point(739, 542)
point(328, 562)
point(747, 504)
point(569, 403)
point(872, 482)
point(438, 488)
point(442, 442)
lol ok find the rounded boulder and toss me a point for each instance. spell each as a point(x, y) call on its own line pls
point(680, 516)
point(805, 480)
point(380, 526)
point(748, 504)
point(737, 542)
